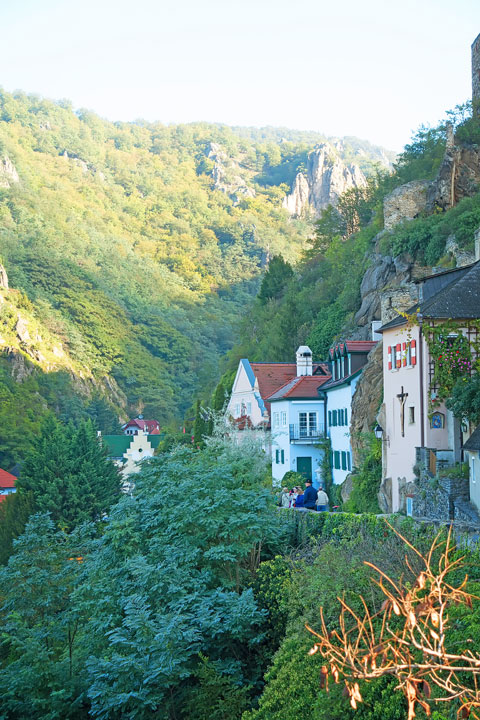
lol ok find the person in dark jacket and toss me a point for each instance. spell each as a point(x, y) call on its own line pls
point(309, 496)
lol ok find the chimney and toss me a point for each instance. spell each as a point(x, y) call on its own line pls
point(477, 244)
point(375, 325)
point(304, 361)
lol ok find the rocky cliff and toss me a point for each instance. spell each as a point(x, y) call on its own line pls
point(326, 178)
point(226, 175)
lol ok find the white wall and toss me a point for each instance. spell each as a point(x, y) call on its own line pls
point(340, 398)
point(281, 437)
point(243, 393)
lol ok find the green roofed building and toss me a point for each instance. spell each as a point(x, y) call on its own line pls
point(128, 451)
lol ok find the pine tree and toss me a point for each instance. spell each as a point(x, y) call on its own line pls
point(200, 426)
point(14, 513)
point(69, 474)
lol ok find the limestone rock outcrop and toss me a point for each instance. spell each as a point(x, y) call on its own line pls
point(326, 178)
point(366, 400)
point(376, 277)
point(3, 278)
point(226, 175)
point(458, 177)
point(405, 203)
point(8, 173)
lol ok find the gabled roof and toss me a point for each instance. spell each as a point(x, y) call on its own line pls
point(457, 297)
point(304, 387)
point(151, 426)
point(351, 346)
point(473, 442)
point(7, 480)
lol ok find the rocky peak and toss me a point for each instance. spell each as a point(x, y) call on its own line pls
point(326, 178)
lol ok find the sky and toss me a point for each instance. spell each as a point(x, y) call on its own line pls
point(376, 69)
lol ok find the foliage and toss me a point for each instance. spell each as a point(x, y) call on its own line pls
point(279, 272)
point(68, 474)
point(15, 510)
point(366, 479)
point(409, 637)
point(464, 401)
point(215, 696)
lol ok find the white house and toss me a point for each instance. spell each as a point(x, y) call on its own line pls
point(413, 417)
point(7, 484)
point(128, 451)
point(298, 422)
point(347, 360)
point(255, 382)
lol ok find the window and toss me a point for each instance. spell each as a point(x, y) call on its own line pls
point(336, 459)
point(275, 419)
point(282, 460)
point(249, 408)
point(334, 418)
point(308, 424)
point(277, 456)
point(349, 461)
point(344, 460)
point(237, 410)
point(345, 416)
point(340, 417)
point(409, 506)
point(284, 418)
point(411, 415)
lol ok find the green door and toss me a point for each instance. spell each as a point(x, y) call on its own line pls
point(304, 467)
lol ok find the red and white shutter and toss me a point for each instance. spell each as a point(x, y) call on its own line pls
point(413, 352)
point(398, 356)
point(404, 354)
point(389, 357)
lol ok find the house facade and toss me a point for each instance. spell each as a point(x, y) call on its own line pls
point(472, 454)
point(128, 451)
point(298, 423)
point(414, 417)
point(139, 425)
point(346, 360)
point(249, 405)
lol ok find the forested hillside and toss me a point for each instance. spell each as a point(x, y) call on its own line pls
point(316, 301)
point(136, 248)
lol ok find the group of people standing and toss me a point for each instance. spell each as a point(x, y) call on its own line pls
point(308, 499)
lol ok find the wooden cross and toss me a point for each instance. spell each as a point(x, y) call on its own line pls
point(402, 397)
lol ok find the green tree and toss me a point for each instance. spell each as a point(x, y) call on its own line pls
point(275, 279)
point(14, 513)
point(69, 475)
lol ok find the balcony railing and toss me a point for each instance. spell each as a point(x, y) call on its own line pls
point(299, 433)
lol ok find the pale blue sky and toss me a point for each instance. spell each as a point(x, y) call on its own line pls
point(376, 69)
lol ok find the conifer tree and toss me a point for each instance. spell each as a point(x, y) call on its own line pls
point(69, 475)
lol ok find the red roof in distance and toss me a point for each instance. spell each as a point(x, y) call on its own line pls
point(7, 480)
point(152, 427)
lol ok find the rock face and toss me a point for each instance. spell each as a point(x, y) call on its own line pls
point(326, 178)
point(3, 278)
point(298, 201)
point(405, 203)
point(226, 177)
point(8, 173)
point(458, 177)
point(376, 277)
point(366, 400)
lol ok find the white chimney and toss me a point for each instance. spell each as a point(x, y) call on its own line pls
point(304, 361)
point(375, 325)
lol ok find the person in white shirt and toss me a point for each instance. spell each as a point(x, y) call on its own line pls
point(322, 500)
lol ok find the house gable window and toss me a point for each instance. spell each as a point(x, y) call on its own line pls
point(284, 418)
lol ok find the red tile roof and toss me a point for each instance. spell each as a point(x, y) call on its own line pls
point(151, 426)
point(301, 387)
point(6, 479)
point(359, 346)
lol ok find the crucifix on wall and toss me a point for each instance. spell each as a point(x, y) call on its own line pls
point(402, 397)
